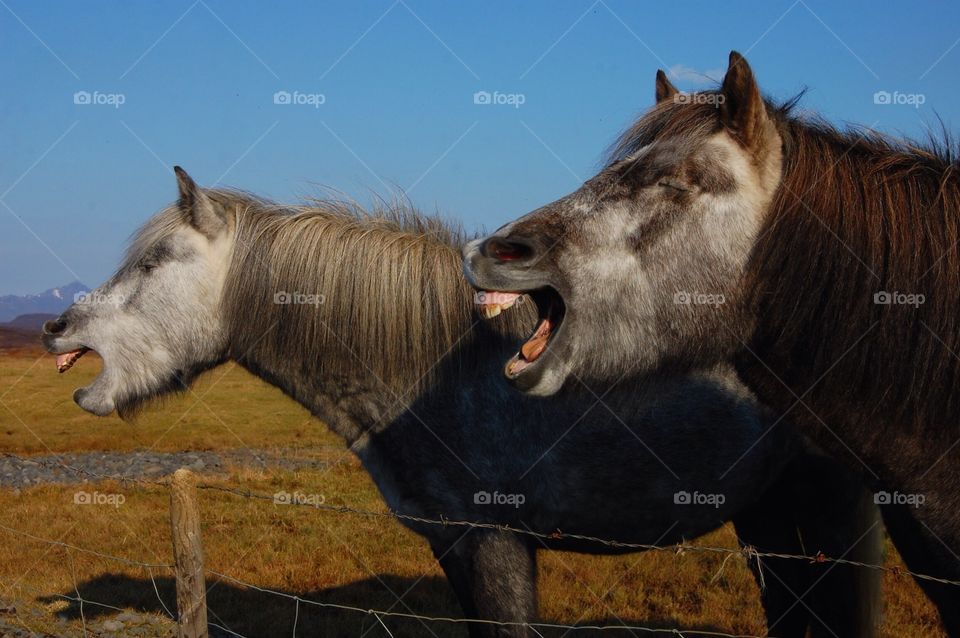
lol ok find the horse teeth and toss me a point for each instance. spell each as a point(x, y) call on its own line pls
point(490, 310)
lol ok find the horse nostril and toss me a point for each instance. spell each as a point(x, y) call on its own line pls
point(54, 326)
point(508, 249)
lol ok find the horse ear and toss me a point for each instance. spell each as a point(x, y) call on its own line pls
point(203, 214)
point(742, 110)
point(665, 90)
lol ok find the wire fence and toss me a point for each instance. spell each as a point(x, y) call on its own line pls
point(746, 552)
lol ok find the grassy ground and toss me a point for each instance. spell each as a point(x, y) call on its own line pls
point(225, 409)
point(335, 558)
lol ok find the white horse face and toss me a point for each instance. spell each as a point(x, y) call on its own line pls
point(156, 322)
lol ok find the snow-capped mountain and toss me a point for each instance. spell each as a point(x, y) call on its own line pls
point(52, 301)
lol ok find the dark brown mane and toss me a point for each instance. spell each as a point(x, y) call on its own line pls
point(860, 214)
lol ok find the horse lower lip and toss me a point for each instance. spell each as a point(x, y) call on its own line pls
point(516, 365)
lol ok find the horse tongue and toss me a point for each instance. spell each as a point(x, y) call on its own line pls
point(66, 360)
point(535, 345)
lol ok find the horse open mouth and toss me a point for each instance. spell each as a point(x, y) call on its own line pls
point(66, 360)
point(97, 397)
point(550, 312)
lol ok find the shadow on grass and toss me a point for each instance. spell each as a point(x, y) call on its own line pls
point(253, 614)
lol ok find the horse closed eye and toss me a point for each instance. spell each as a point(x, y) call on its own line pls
point(147, 267)
point(673, 185)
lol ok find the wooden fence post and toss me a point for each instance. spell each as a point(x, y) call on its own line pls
point(188, 556)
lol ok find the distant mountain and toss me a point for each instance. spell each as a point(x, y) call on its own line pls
point(18, 338)
point(50, 302)
point(32, 322)
point(23, 332)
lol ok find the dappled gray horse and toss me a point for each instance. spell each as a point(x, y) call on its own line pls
point(366, 320)
point(822, 261)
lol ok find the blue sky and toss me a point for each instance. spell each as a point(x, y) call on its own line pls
point(197, 82)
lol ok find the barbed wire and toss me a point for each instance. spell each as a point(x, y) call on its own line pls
point(78, 598)
point(379, 614)
point(747, 551)
point(83, 550)
point(497, 623)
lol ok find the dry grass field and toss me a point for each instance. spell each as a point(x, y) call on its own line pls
point(346, 559)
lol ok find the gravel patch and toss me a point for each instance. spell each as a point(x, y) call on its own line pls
point(18, 472)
